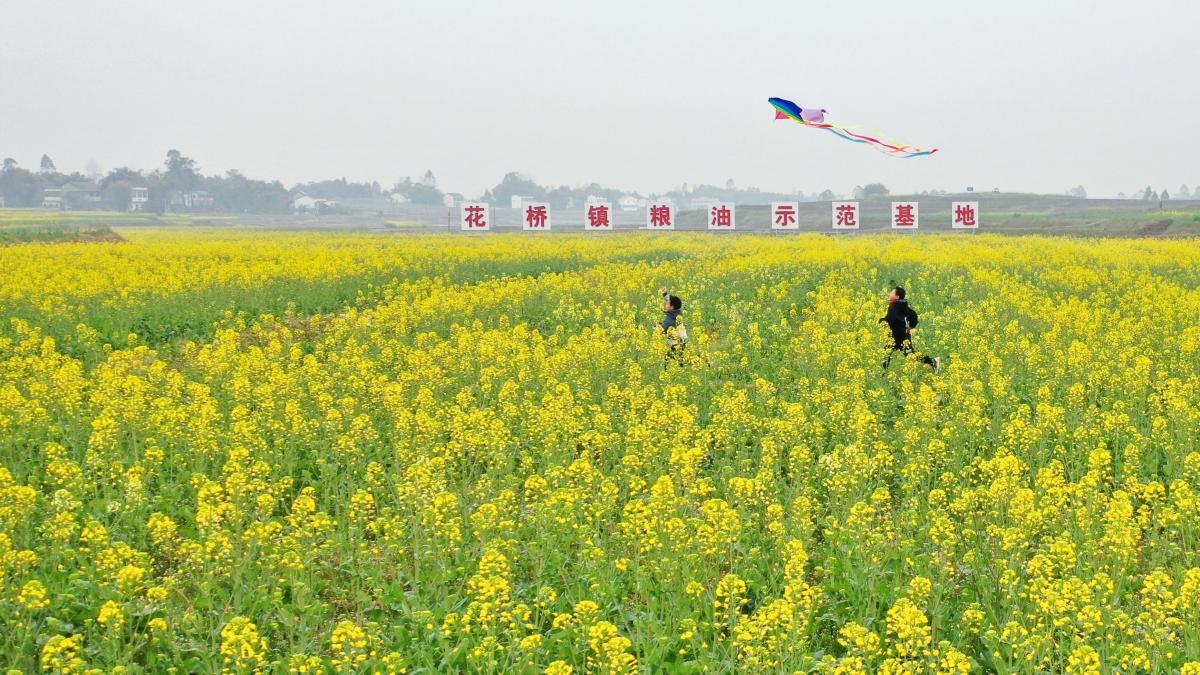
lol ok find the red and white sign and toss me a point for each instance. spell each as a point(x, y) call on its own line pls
point(535, 216)
point(966, 215)
point(845, 216)
point(905, 216)
point(597, 215)
point(660, 216)
point(721, 216)
point(785, 215)
point(476, 217)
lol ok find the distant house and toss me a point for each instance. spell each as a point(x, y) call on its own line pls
point(518, 201)
point(52, 198)
point(453, 199)
point(198, 200)
point(704, 203)
point(139, 197)
point(190, 200)
point(398, 198)
point(302, 203)
point(81, 195)
point(628, 203)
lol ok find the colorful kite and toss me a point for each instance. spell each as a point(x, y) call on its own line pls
point(815, 117)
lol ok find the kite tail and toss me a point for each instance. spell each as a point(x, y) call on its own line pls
point(897, 150)
point(785, 109)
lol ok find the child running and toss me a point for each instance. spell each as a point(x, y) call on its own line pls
point(672, 326)
point(901, 319)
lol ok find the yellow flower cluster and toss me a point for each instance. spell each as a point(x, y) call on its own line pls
point(224, 450)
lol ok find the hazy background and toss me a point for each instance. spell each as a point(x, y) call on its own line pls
point(1036, 96)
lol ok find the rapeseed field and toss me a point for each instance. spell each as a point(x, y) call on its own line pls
point(251, 452)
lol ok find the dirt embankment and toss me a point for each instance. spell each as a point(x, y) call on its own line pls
point(58, 235)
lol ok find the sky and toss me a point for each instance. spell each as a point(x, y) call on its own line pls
point(1020, 95)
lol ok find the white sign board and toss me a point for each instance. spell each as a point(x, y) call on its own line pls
point(721, 216)
point(965, 215)
point(845, 216)
point(905, 216)
point(475, 216)
point(785, 215)
point(535, 216)
point(597, 216)
point(660, 216)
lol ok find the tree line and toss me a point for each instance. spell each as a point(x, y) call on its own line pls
point(179, 185)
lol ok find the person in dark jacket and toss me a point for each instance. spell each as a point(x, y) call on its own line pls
point(672, 326)
point(901, 319)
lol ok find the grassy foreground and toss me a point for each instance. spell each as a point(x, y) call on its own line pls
point(299, 452)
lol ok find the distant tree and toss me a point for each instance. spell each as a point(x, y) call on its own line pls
point(598, 190)
point(122, 174)
point(1149, 193)
point(182, 173)
point(560, 197)
point(117, 187)
point(429, 180)
point(515, 184)
point(1163, 196)
point(418, 193)
point(48, 165)
point(337, 189)
point(729, 185)
point(118, 196)
point(1120, 195)
point(1184, 193)
point(873, 190)
point(19, 187)
point(9, 164)
point(235, 193)
point(828, 196)
point(1078, 192)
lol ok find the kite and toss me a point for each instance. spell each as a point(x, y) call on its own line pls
point(815, 117)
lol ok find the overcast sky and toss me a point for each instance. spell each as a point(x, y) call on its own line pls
point(1022, 95)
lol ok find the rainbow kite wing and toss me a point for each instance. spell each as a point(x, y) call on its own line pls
point(809, 117)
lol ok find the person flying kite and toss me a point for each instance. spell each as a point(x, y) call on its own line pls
point(815, 117)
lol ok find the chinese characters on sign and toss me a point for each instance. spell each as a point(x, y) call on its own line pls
point(475, 216)
point(721, 217)
point(660, 217)
point(783, 216)
point(535, 216)
point(966, 215)
point(597, 216)
point(904, 216)
point(845, 215)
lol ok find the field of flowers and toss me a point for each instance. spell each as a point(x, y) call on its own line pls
point(230, 451)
